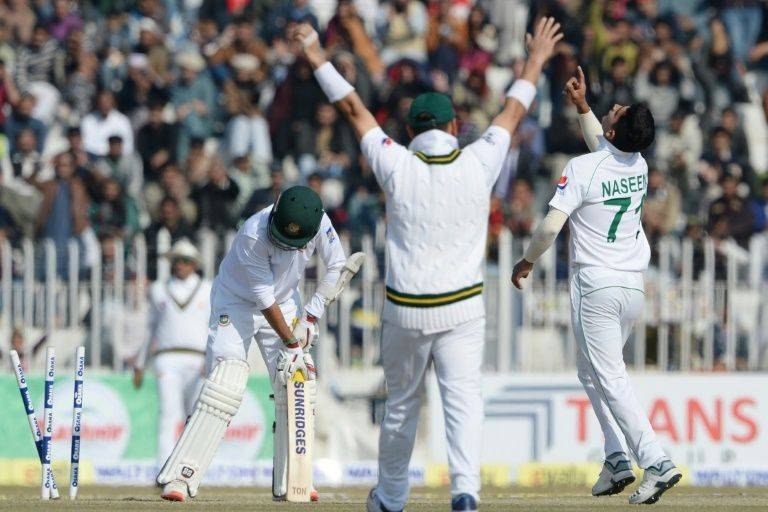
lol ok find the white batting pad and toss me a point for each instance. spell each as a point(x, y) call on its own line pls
point(219, 400)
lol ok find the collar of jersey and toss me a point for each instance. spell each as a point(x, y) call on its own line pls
point(613, 149)
point(434, 143)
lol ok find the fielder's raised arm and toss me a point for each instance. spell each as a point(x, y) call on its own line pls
point(541, 45)
point(339, 91)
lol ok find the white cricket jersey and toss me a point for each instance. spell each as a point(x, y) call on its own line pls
point(438, 201)
point(178, 313)
point(603, 193)
point(256, 271)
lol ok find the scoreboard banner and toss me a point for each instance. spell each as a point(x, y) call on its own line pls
point(119, 428)
point(714, 426)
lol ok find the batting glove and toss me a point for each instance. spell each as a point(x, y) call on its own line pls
point(291, 360)
point(305, 331)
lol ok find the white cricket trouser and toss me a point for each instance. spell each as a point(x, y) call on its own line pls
point(234, 324)
point(603, 318)
point(179, 379)
point(457, 355)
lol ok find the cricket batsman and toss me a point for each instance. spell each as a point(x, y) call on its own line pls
point(255, 296)
point(437, 201)
point(178, 323)
point(602, 194)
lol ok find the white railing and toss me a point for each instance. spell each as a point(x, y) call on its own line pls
point(698, 317)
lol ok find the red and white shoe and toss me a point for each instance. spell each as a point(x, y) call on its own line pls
point(175, 490)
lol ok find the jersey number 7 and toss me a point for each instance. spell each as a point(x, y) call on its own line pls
point(623, 204)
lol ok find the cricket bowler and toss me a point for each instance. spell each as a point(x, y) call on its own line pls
point(255, 296)
point(437, 204)
point(601, 194)
point(178, 324)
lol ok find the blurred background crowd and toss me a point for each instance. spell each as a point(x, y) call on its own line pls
point(127, 116)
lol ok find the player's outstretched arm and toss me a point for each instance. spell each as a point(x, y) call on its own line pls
point(545, 234)
point(336, 88)
point(541, 46)
point(591, 129)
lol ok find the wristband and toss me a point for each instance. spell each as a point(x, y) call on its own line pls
point(291, 343)
point(332, 83)
point(523, 91)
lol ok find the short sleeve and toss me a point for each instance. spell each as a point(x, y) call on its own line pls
point(384, 155)
point(491, 149)
point(569, 195)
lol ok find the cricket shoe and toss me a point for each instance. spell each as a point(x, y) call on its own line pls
point(373, 503)
point(615, 475)
point(463, 503)
point(175, 490)
point(656, 480)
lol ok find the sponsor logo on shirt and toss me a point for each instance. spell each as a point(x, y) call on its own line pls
point(386, 141)
point(488, 137)
point(562, 183)
point(331, 234)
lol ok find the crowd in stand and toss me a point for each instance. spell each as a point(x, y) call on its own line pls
point(128, 116)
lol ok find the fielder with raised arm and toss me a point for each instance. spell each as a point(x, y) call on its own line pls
point(178, 324)
point(255, 296)
point(602, 194)
point(437, 200)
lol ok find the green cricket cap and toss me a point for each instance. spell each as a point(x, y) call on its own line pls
point(430, 110)
point(296, 217)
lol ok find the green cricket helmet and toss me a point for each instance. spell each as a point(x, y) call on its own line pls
point(295, 218)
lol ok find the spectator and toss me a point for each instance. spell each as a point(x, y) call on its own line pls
point(21, 19)
point(9, 94)
point(730, 216)
point(125, 168)
point(522, 213)
point(114, 213)
point(64, 210)
point(21, 118)
point(26, 162)
point(193, 98)
point(172, 184)
point(264, 197)
point(172, 225)
point(662, 209)
point(156, 141)
point(287, 12)
point(198, 163)
point(248, 179)
point(40, 61)
point(248, 134)
point(216, 199)
point(402, 31)
point(104, 122)
point(617, 87)
point(744, 21)
point(329, 147)
point(446, 37)
point(64, 20)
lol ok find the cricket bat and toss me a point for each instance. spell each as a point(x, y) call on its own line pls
point(300, 437)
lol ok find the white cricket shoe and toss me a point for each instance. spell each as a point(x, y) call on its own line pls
point(373, 503)
point(656, 480)
point(615, 475)
point(175, 490)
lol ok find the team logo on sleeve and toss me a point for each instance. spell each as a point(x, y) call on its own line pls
point(387, 141)
point(331, 234)
point(562, 183)
point(223, 320)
